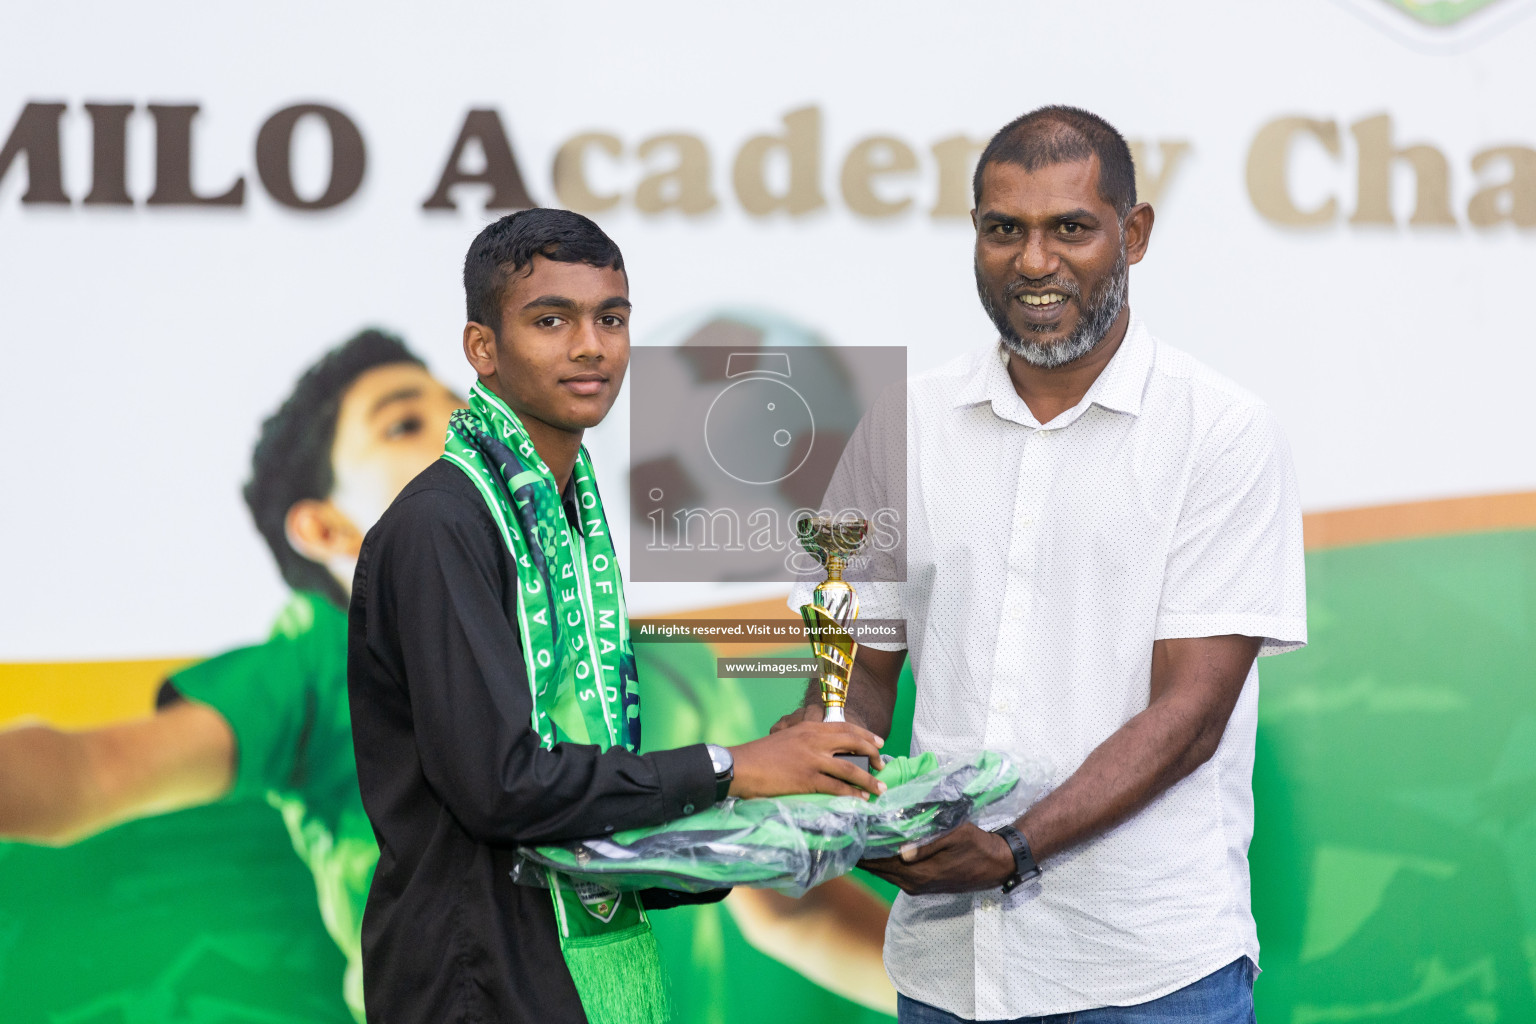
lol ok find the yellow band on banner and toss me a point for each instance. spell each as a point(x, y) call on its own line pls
point(1412, 520)
point(80, 695)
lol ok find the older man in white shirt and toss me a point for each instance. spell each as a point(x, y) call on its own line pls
point(1102, 535)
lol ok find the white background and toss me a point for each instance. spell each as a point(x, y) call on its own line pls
point(142, 347)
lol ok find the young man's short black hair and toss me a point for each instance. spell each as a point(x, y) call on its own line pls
point(508, 245)
point(1059, 135)
point(292, 460)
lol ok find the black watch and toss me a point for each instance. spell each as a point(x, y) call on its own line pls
point(1024, 866)
point(725, 769)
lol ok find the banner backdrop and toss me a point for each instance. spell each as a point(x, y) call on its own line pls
point(197, 204)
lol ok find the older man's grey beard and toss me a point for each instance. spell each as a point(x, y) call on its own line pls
point(1099, 313)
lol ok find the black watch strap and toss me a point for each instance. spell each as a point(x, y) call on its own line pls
point(1024, 866)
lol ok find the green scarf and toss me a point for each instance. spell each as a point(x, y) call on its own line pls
point(581, 673)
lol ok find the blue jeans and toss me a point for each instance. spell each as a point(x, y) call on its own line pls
point(1223, 997)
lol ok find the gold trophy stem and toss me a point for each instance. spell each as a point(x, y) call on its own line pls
point(834, 606)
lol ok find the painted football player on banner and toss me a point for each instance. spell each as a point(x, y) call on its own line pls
point(270, 722)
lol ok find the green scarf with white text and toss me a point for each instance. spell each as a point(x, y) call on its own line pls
point(581, 673)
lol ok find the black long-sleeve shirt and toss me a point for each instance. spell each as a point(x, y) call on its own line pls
point(453, 775)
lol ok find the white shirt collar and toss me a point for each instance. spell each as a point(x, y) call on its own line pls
point(1119, 386)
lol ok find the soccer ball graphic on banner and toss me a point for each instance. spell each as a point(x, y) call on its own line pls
point(738, 418)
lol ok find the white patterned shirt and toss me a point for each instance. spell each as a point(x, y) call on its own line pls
point(1042, 563)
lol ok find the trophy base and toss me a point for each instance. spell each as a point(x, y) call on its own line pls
point(859, 761)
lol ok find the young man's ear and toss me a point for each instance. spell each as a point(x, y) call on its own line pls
point(322, 533)
point(480, 348)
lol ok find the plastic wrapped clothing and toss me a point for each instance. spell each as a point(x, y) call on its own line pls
point(794, 843)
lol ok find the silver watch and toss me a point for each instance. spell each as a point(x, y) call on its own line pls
point(725, 769)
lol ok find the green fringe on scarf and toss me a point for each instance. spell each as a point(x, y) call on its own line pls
point(619, 978)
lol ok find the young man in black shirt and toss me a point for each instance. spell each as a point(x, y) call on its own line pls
point(491, 679)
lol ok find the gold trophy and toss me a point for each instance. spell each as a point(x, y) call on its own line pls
point(833, 608)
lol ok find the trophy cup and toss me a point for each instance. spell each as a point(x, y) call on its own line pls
point(833, 608)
